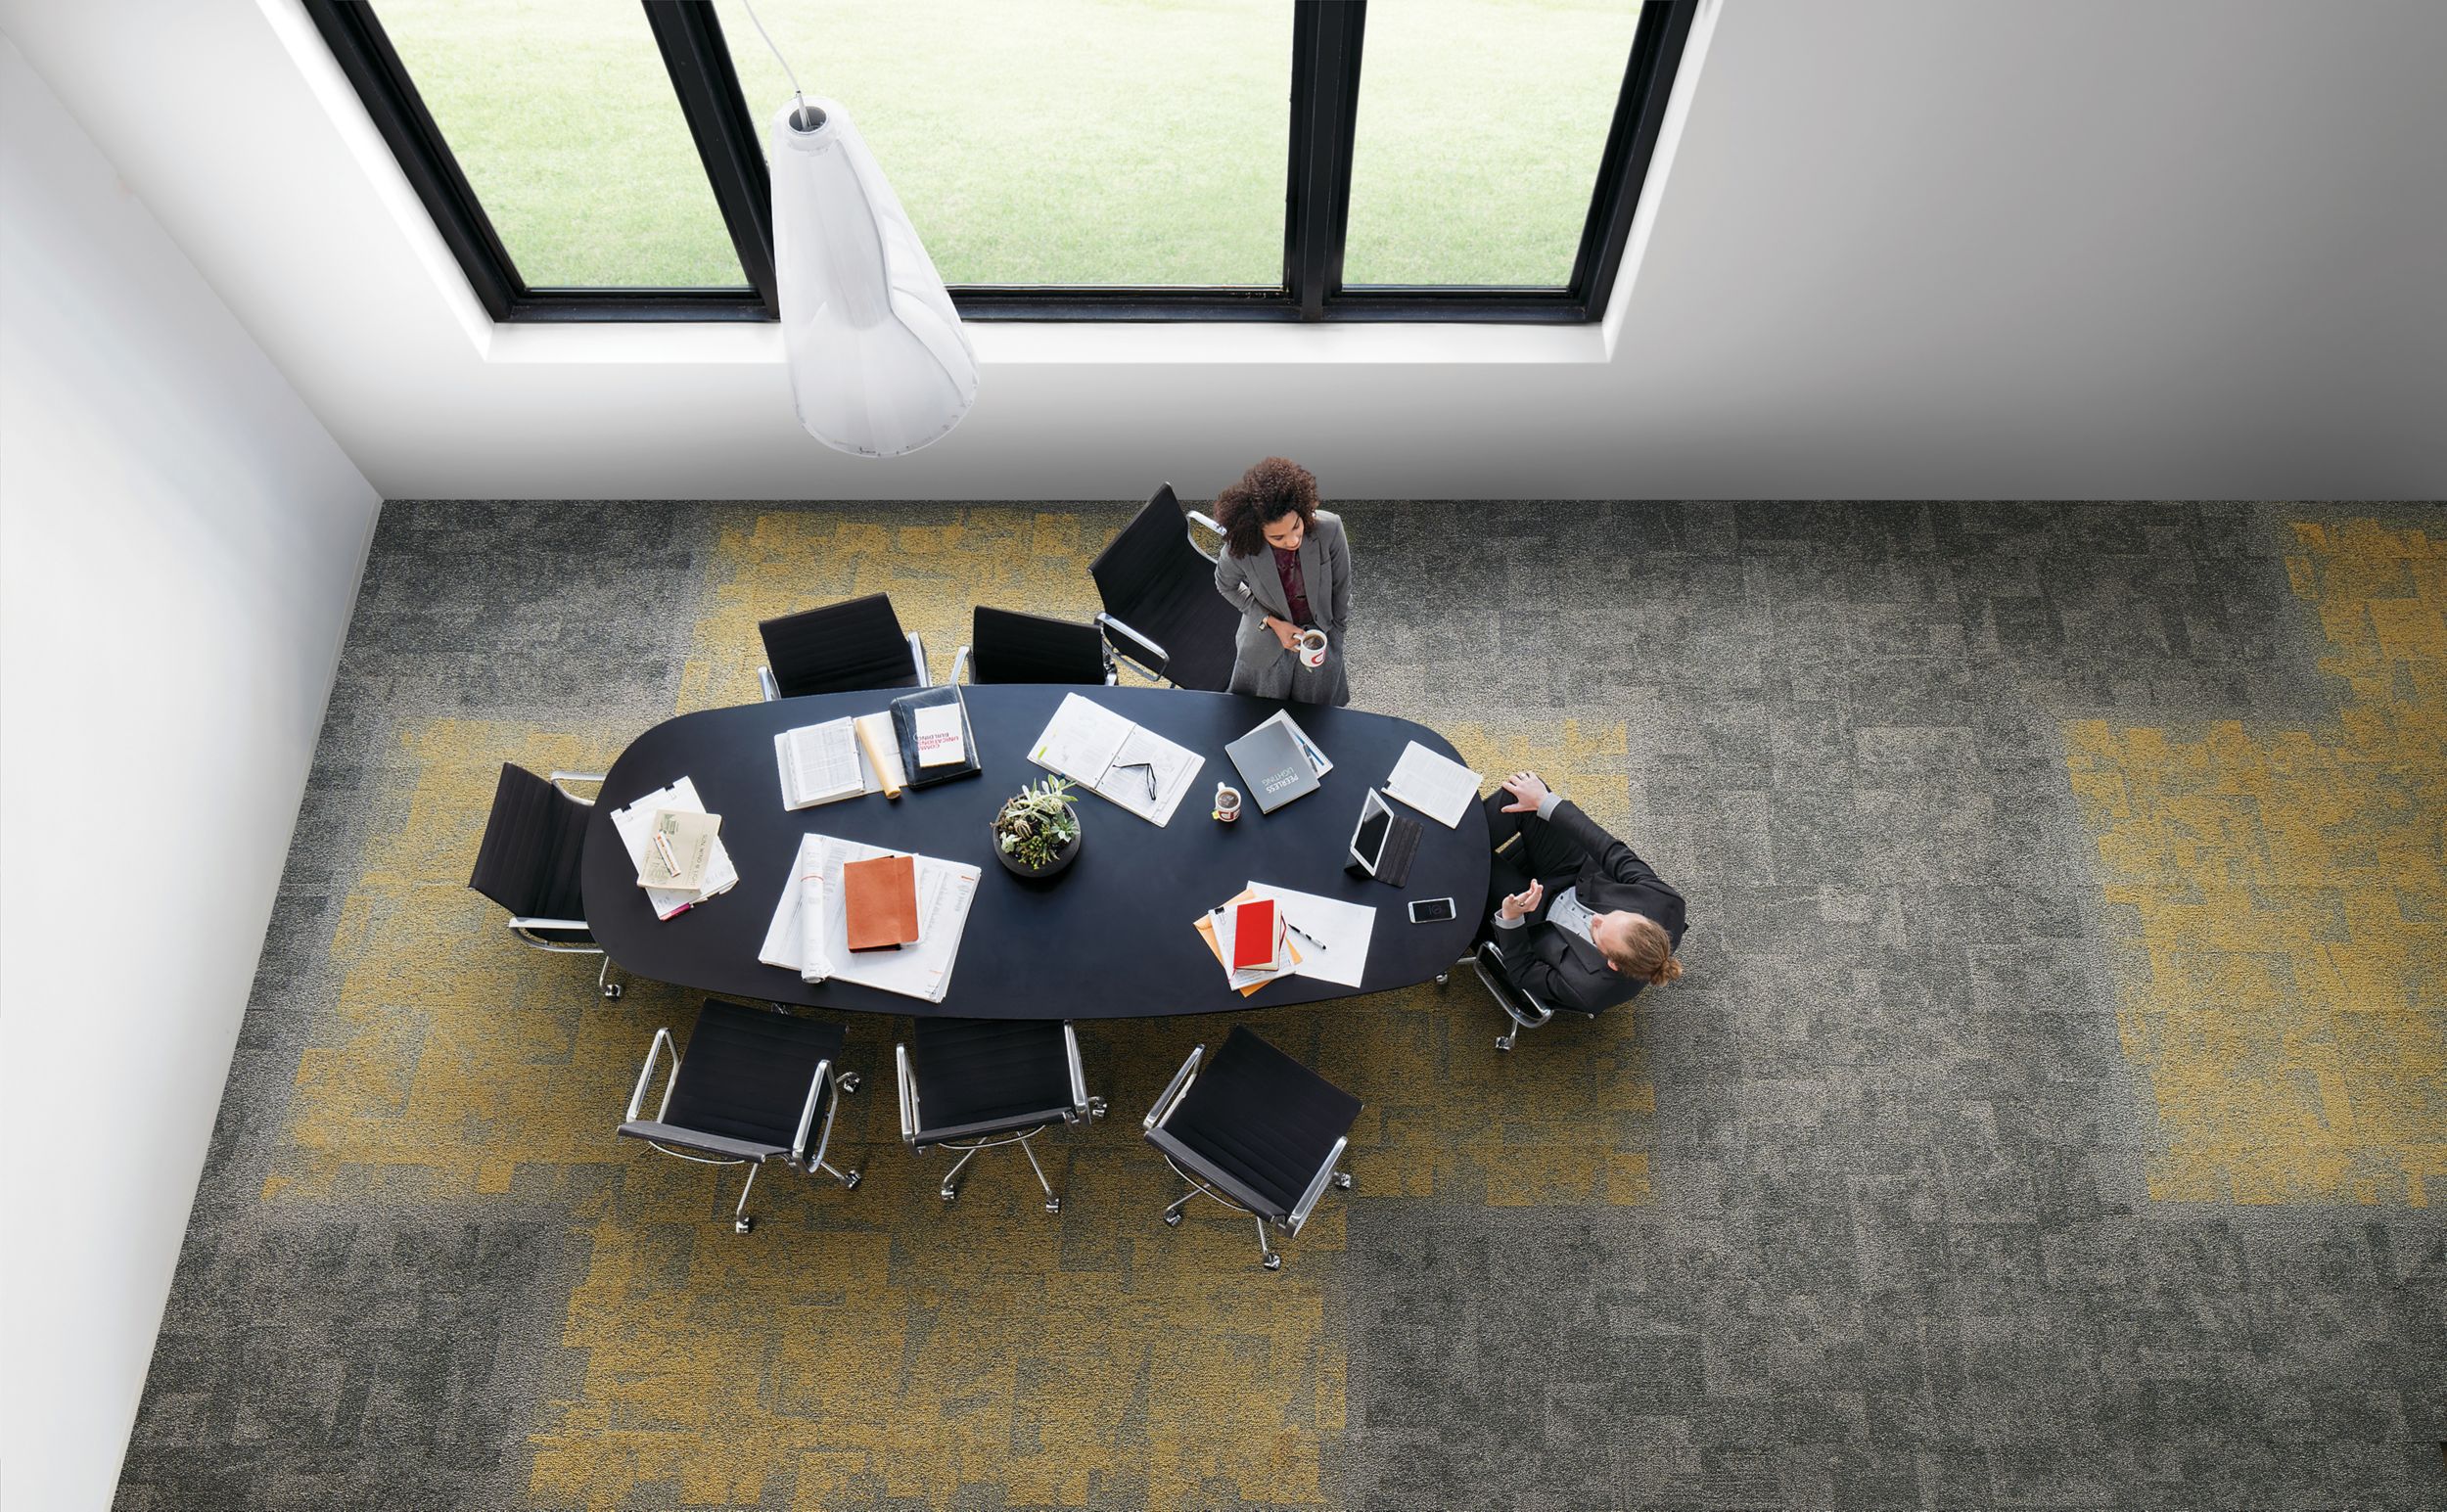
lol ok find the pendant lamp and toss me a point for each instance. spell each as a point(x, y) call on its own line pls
point(879, 366)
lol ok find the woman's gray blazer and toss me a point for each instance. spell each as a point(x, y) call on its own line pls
point(1250, 585)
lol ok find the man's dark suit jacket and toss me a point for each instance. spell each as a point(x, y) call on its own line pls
point(1564, 970)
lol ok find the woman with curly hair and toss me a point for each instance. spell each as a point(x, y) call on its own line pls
point(1286, 567)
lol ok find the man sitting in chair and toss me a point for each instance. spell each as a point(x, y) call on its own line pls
point(1583, 922)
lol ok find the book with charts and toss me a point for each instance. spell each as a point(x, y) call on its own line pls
point(1126, 764)
point(678, 847)
point(923, 968)
point(935, 723)
point(823, 763)
point(878, 902)
point(1438, 787)
point(634, 825)
point(1274, 762)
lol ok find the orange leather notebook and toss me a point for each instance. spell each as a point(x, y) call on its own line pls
point(879, 902)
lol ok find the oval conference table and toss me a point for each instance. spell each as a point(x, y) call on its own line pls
point(1113, 936)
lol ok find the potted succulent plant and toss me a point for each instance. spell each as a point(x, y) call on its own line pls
point(1037, 834)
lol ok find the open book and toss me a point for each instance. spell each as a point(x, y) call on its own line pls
point(823, 763)
point(1125, 763)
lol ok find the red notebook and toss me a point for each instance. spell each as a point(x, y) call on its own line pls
point(1252, 934)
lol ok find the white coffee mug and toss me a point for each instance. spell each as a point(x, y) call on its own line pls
point(1226, 803)
point(1311, 645)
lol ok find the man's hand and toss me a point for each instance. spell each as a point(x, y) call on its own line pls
point(1284, 630)
point(1523, 903)
point(1528, 792)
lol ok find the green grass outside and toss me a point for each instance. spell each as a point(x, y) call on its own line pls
point(1041, 141)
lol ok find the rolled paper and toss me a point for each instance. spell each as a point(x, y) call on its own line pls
point(814, 964)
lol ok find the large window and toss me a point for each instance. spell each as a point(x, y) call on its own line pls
point(1312, 160)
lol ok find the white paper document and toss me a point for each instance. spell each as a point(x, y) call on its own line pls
point(1122, 762)
point(938, 734)
point(1441, 789)
point(921, 970)
point(1332, 936)
point(635, 827)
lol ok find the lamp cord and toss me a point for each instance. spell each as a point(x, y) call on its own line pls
point(796, 92)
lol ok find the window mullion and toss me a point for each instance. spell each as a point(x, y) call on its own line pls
point(724, 130)
point(1324, 103)
point(1631, 141)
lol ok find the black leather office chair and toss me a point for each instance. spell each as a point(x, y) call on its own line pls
point(846, 647)
point(1257, 1131)
point(527, 863)
point(1525, 1008)
point(1161, 610)
point(1006, 646)
point(987, 1083)
point(747, 1091)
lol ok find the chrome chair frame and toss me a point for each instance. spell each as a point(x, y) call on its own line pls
point(1209, 1182)
point(798, 1157)
point(1200, 520)
point(1082, 1108)
point(1519, 1004)
point(527, 928)
point(773, 690)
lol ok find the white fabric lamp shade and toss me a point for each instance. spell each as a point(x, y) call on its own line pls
point(879, 366)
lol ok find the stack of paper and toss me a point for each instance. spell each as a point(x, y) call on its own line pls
point(636, 825)
point(1219, 929)
point(1116, 759)
point(810, 930)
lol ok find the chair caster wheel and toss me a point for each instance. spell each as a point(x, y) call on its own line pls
point(1502, 1043)
point(611, 989)
point(850, 1081)
point(743, 1225)
point(1272, 1260)
point(850, 1180)
point(1172, 1220)
point(1053, 1205)
point(1342, 1181)
point(1095, 1108)
point(1443, 976)
point(948, 1193)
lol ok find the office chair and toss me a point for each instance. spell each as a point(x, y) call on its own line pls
point(527, 863)
point(846, 647)
point(746, 1091)
point(1161, 610)
point(988, 1083)
point(1257, 1131)
point(1009, 647)
point(1525, 1008)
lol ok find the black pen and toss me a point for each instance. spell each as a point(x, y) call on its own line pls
point(1305, 935)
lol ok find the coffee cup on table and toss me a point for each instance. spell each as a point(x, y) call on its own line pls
point(1227, 803)
point(1311, 647)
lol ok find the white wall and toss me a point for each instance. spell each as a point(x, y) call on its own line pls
point(1933, 248)
point(180, 541)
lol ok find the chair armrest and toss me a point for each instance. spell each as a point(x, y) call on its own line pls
point(526, 929)
point(806, 1115)
point(591, 778)
point(1078, 1070)
point(1155, 658)
point(1519, 1004)
point(909, 1093)
point(719, 1145)
point(645, 1075)
point(960, 665)
point(1197, 522)
point(917, 660)
point(1317, 1187)
point(1174, 1093)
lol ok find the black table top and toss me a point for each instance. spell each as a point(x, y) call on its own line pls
point(1113, 936)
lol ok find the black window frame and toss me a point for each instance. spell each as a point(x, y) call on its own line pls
point(1327, 46)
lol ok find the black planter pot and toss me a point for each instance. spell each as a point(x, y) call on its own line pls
point(1060, 863)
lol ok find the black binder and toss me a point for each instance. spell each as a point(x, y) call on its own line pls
point(905, 729)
